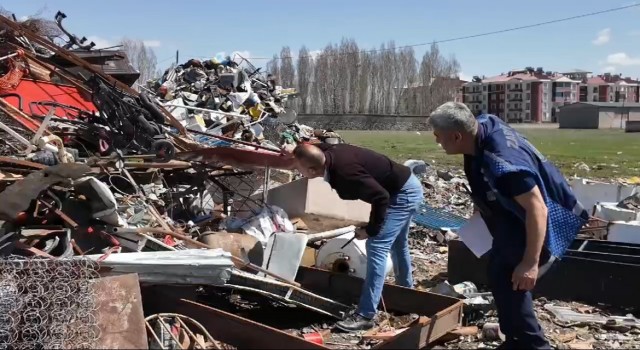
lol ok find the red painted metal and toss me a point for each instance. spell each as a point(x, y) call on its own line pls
point(239, 157)
point(42, 91)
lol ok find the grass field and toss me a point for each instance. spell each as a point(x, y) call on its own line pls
point(608, 153)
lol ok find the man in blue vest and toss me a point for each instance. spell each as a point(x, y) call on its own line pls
point(526, 204)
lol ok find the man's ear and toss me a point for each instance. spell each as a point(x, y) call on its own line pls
point(457, 136)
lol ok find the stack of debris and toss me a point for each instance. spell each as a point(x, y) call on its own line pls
point(114, 197)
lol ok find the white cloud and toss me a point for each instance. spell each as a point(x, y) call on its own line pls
point(23, 18)
point(100, 42)
point(609, 69)
point(152, 43)
point(603, 37)
point(465, 77)
point(622, 59)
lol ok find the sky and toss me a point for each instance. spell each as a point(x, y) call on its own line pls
point(256, 28)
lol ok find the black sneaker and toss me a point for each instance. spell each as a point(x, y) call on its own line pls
point(355, 323)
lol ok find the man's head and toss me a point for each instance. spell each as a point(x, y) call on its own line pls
point(310, 160)
point(454, 127)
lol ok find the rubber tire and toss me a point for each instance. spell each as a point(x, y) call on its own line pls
point(164, 150)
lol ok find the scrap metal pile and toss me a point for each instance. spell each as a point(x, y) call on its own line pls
point(127, 181)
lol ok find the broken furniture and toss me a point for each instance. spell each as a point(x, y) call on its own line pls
point(591, 271)
point(438, 314)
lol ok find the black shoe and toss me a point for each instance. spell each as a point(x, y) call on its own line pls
point(355, 323)
point(508, 344)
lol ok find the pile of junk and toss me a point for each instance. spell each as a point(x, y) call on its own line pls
point(166, 216)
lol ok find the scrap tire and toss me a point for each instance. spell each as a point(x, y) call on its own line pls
point(164, 150)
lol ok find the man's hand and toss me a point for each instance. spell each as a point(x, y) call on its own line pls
point(361, 233)
point(524, 276)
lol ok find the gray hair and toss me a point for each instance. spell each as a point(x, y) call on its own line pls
point(453, 116)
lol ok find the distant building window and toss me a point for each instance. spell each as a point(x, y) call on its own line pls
point(528, 86)
point(527, 106)
point(528, 96)
point(595, 98)
point(595, 89)
point(484, 106)
point(484, 88)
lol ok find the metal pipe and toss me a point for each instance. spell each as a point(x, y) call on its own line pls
point(265, 187)
point(315, 237)
point(8, 56)
point(198, 109)
point(14, 134)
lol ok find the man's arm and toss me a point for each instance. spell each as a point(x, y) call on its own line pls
point(370, 191)
point(535, 224)
point(524, 190)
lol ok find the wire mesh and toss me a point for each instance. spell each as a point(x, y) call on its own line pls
point(47, 304)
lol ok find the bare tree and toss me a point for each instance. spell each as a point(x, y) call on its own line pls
point(436, 79)
point(287, 71)
point(273, 67)
point(142, 58)
point(342, 79)
point(407, 71)
point(305, 77)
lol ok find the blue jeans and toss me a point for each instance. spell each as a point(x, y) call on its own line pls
point(394, 238)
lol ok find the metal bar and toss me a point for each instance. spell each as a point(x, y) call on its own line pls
point(8, 56)
point(314, 237)
point(15, 134)
point(228, 139)
point(265, 187)
point(62, 215)
point(212, 111)
point(168, 329)
point(154, 335)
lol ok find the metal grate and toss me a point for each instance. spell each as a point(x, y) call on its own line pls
point(436, 219)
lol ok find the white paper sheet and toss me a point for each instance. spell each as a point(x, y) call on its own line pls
point(475, 235)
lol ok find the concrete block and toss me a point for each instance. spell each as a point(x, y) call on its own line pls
point(315, 196)
point(624, 232)
point(590, 192)
point(611, 212)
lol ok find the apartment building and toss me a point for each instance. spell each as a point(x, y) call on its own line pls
point(519, 96)
point(530, 95)
point(609, 88)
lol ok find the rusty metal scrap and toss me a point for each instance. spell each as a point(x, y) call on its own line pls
point(17, 197)
point(162, 329)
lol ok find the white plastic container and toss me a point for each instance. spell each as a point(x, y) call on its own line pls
point(352, 259)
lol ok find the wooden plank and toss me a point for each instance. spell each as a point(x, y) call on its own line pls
point(120, 316)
